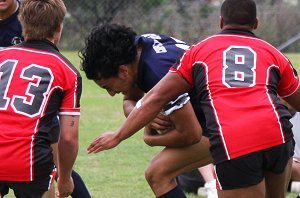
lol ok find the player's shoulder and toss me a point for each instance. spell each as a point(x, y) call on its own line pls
point(150, 37)
point(48, 51)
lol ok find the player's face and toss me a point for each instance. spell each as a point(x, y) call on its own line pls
point(114, 85)
point(7, 4)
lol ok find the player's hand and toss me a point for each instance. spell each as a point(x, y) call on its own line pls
point(65, 187)
point(149, 134)
point(161, 122)
point(105, 141)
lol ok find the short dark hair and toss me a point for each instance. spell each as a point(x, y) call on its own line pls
point(106, 48)
point(239, 12)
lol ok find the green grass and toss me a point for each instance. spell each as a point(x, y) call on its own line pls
point(295, 59)
point(117, 173)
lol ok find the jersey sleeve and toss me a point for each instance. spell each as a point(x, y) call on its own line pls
point(184, 67)
point(289, 81)
point(71, 82)
point(70, 104)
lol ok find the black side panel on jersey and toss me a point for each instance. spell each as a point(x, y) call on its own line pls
point(48, 132)
point(282, 110)
point(205, 112)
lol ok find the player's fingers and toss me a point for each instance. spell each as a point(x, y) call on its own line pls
point(163, 117)
point(162, 120)
point(66, 194)
point(91, 147)
point(99, 149)
point(160, 125)
point(96, 148)
point(94, 142)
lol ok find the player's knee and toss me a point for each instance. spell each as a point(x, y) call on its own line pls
point(153, 175)
point(149, 174)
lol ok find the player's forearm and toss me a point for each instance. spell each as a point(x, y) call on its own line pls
point(144, 112)
point(151, 104)
point(67, 144)
point(67, 153)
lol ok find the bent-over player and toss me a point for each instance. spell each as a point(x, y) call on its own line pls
point(120, 61)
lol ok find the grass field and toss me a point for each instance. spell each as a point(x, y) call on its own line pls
point(117, 173)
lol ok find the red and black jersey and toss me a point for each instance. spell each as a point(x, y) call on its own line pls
point(236, 79)
point(36, 84)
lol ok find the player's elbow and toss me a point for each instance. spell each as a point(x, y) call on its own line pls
point(193, 135)
point(196, 138)
point(69, 138)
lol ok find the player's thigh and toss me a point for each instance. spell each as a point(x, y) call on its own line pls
point(277, 184)
point(257, 191)
point(50, 193)
point(296, 169)
point(278, 169)
point(174, 161)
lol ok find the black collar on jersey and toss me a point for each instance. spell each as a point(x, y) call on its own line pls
point(40, 44)
point(237, 31)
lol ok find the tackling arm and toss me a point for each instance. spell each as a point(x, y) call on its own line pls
point(171, 86)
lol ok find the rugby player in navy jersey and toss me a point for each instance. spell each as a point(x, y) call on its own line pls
point(10, 27)
point(121, 61)
point(238, 80)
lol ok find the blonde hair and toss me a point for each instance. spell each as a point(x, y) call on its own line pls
point(40, 19)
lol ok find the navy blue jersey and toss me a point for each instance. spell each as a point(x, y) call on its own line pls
point(159, 53)
point(10, 31)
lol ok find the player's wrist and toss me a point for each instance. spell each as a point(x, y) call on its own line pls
point(119, 137)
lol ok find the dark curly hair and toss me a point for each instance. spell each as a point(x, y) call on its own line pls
point(106, 48)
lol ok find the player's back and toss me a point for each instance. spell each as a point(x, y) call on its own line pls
point(238, 79)
point(159, 53)
point(35, 81)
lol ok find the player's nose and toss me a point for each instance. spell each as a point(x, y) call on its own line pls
point(111, 93)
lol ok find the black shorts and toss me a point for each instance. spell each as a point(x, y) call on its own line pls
point(249, 169)
point(32, 189)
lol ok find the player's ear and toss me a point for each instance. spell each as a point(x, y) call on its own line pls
point(123, 72)
point(221, 22)
point(256, 23)
point(57, 34)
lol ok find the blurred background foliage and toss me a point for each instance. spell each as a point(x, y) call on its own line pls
point(188, 20)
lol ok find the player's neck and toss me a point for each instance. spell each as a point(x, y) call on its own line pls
point(137, 62)
point(9, 11)
point(238, 27)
